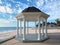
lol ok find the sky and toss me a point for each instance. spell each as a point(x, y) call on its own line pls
point(10, 8)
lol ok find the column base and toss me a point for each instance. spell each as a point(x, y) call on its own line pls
point(23, 38)
point(39, 39)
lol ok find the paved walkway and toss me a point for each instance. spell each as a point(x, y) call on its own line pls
point(54, 40)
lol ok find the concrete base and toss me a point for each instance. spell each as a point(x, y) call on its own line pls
point(31, 38)
point(35, 41)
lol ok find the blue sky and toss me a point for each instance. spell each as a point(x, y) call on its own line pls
point(10, 8)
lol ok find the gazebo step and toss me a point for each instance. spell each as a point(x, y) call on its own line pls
point(31, 41)
point(30, 37)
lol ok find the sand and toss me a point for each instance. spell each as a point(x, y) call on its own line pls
point(54, 35)
point(7, 35)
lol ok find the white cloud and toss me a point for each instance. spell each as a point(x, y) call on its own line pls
point(0, 2)
point(11, 21)
point(11, 18)
point(2, 9)
point(8, 10)
point(52, 7)
point(7, 23)
point(19, 10)
point(39, 3)
point(55, 9)
point(13, 1)
point(5, 9)
point(4, 21)
point(29, 0)
point(8, 4)
point(17, 5)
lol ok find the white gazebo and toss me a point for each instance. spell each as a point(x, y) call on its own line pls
point(31, 14)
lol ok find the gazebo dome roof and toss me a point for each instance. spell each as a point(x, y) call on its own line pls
point(31, 9)
point(31, 14)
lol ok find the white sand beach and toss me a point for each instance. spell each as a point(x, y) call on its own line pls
point(10, 34)
point(7, 35)
point(54, 35)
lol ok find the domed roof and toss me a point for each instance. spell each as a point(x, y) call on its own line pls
point(31, 9)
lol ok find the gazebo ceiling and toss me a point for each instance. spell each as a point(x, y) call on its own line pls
point(31, 9)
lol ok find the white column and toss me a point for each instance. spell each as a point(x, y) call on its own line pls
point(35, 28)
point(42, 27)
point(20, 27)
point(17, 28)
point(39, 31)
point(24, 29)
point(27, 28)
point(46, 28)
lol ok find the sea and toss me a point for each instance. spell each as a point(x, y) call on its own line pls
point(3, 29)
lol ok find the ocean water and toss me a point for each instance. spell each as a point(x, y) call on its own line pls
point(2, 29)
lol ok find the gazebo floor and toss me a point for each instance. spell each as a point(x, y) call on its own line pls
point(31, 38)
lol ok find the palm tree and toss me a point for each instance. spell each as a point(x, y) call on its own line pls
point(58, 22)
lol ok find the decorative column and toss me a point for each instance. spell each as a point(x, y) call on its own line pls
point(46, 28)
point(42, 30)
point(17, 28)
point(20, 27)
point(24, 29)
point(27, 28)
point(39, 31)
point(35, 28)
point(42, 27)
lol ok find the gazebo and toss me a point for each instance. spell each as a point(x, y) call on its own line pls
point(31, 14)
